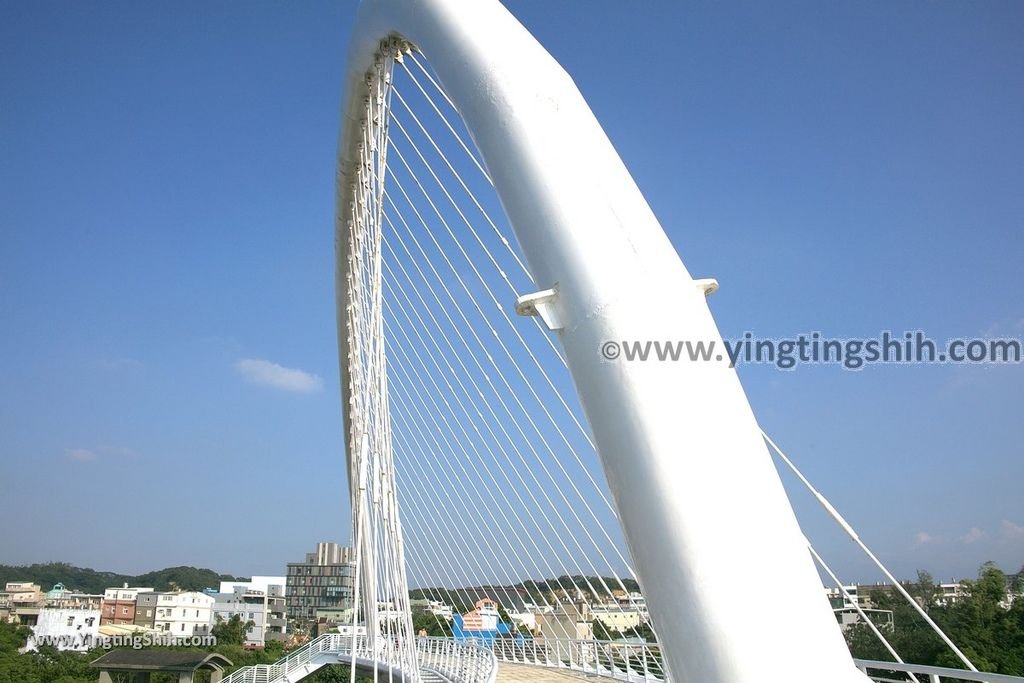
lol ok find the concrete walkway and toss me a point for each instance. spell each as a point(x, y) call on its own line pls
point(524, 673)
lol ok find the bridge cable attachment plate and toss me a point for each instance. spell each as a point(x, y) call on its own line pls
point(709, 285)
point(543, 304)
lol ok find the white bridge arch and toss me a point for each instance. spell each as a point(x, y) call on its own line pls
point(691, 478)
point(679, 445)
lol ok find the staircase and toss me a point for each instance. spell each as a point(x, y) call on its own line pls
point(440, 661)
point(330, 648)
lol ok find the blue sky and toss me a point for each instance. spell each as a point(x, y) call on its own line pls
point(166, 232)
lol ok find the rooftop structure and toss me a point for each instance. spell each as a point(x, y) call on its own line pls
point(141, 663)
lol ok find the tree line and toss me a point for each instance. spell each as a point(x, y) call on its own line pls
point(988, 630)
point(95, 582)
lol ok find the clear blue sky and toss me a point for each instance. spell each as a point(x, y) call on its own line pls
point(166, 211)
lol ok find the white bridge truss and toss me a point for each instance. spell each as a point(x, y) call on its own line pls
point(489, 241)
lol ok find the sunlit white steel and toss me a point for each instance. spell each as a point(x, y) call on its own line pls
point(381, 595)
point(694, 486)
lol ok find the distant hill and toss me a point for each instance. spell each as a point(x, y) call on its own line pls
point(536, 591)
point(92, 581)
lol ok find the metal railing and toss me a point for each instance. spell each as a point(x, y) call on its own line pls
point(476, 661)
point(461, 661)
point(301, 659)
point(456, 661)
point(625, 661)
point(884, 672)
point(642, 662)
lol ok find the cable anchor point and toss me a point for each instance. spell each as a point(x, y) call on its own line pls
point(543, 304)
point(708, 285)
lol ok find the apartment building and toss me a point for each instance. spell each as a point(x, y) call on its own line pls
point(62, 597)
point(74, 628)
point(261, 601)
point(324, 580)
point(950, 593)
point(145, 609)
point(119, 604)
point(184, 614)
point(571, 620)
point(849, 602)
point(435, 607)
point(21, 602)
point(616, 618)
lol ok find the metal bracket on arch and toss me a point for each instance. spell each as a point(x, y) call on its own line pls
point(709, 285)
point(541, 303)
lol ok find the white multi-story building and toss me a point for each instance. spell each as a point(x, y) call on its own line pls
point(439, 609)
point(184, 614)
point(75, 629)
point(260, 601)
point(839, 598)
point(527, 616)
point(849, 616)
point(616, 618)
point(950, 594)
point(635, 601)
point(849, 602)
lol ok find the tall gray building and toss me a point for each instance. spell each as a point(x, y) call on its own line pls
point(323, 581)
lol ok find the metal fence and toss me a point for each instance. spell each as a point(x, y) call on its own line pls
point(476, 661)
point(463, 661)
point(642, 662)
point(457, 661)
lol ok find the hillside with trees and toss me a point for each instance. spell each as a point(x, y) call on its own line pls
point(95, 582)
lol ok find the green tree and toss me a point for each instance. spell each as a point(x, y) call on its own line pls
point(432, 624)
point(988, 630)
point(602, 632)
point(231, 631)
point(92, 581)
point(12, 637)
point(273, 649)
point(338, 673)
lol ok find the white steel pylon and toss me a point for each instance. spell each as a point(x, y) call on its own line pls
point(382, 592)
point(692, 481)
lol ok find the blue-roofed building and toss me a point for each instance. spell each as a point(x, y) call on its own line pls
point(482, 623)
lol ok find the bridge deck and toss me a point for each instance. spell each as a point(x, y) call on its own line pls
point(525, 673)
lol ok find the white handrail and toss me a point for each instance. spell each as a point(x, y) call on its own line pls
point(462, 661)
point(935, 673)
point(642, 662)
point(476, 661)
point(456, 661)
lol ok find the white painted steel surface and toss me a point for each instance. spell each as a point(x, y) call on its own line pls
point(697, 495)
